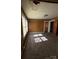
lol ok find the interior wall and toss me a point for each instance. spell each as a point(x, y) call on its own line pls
point(36, 25)
point(39, 11)
point(55, 25)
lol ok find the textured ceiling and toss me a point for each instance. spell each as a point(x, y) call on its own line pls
point(43, 10)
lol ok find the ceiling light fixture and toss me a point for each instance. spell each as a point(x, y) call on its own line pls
point(36, 2)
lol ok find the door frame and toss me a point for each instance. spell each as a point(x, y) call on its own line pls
point(49, 24)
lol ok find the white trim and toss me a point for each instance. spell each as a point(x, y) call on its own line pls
point(51, 20)
point(44, 27)
point(49, 24)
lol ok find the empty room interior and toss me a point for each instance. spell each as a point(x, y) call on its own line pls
point(39, 29)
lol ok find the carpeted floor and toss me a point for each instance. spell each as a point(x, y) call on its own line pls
point(42, 48)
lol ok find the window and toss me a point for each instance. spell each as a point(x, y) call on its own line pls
point(25, 25)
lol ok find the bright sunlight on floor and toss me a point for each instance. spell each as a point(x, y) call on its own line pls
point(39, 38)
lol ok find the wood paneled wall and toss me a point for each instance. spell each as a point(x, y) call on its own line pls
point(55, 25)
point(36, 25)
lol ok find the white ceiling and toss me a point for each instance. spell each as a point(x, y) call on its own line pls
point(39, 11)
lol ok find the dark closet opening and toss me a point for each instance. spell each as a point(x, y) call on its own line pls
point(51, 26)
